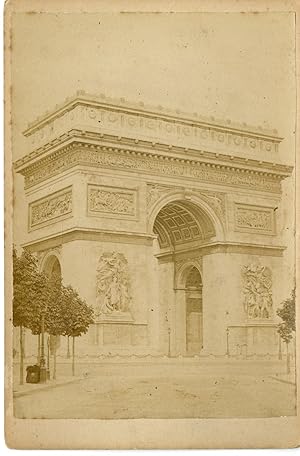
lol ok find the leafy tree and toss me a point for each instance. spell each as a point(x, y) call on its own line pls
point(30, 297)
point(39, 298)
point(78, 316)
point(287, 312)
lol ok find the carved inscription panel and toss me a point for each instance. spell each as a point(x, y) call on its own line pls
point(156, 126)
point(254, 218)
point(112, 201)
point(50, 208)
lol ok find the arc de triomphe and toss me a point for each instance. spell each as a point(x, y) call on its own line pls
point(168, 224)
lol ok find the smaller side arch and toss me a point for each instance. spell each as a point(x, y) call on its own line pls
point(51, 263)
point(183, 271)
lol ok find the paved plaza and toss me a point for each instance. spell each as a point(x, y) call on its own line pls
point(118, 391)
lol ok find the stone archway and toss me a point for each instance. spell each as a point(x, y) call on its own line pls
point(182, 227)
point(210, 209)
point(51, 265)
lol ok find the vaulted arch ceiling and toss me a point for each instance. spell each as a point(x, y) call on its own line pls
point(182, 221)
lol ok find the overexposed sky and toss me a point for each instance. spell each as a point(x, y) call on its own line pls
point(237, 66)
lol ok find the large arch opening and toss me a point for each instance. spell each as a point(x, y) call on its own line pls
point(181, 227)
point(182, 223)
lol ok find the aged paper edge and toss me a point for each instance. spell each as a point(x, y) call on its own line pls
point(142, 433)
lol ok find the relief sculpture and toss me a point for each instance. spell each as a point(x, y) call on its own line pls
point(50, 208)
point(255, 219)
point(113, 284)
point(155, 191)
point(257, 290)
point(111, 201)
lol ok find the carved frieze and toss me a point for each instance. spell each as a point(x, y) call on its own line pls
point(112, 200)
point(254, 219)
point(257, 291)
point(113, 294)
point(153, 164)
point(50, 208)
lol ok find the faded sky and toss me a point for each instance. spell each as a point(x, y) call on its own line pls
point(234, 66)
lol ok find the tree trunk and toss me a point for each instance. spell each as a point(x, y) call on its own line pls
point(48, 358)
point(39, 349)
point(73, 357)
point(288, 361)
point(68, 350)
point(54, 358)
point(279, 349)
point(21, 357)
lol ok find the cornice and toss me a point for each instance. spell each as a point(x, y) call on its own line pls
point(222, 247)
point(136, 146)
point(157, 112)
point(81, 150)
point(88, 234)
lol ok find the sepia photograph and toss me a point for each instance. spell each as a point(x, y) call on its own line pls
point(151, 163)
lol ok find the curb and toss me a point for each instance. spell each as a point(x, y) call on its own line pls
point(283, 381)
point(45, 388)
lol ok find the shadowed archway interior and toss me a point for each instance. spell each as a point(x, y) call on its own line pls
point(194, 313)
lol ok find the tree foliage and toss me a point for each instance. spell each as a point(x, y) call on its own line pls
point(30, 292)
point(78, 315)
point(287, 312)
point(35, 294)
point(54, 318)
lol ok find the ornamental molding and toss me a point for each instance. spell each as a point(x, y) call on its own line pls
point(99, 235)
point(259, 219)
point(257, 291)
point(226, 247)
point(50, 209)
point(148, 121)
point(79, 153)
point(111, 140)
point(112, 201)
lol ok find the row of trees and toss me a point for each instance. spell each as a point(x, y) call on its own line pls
point(42, 303)
point(287, 328)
